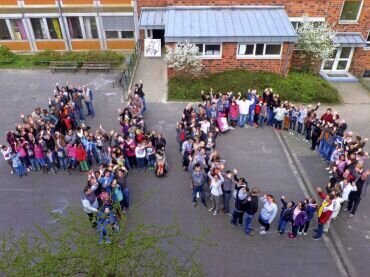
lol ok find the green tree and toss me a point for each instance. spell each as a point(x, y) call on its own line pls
point(71, 248)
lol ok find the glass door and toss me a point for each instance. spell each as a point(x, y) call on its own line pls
point(341, 61)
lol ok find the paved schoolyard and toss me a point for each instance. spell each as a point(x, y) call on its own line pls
point(256, 153)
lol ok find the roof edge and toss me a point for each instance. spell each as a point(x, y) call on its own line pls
point(215, 7)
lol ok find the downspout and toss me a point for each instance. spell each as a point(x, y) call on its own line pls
point(63, 26)
point(103, 42)
point(287, 58)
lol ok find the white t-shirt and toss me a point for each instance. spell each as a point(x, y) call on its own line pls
point(6, 153)
point(244, 106)
point(204, 126)
point(346, 190)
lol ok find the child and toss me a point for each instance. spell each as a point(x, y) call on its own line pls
point(61, 157)
point(19, 168)
point(311, 208)
point(71, 153)
point(150, 155)
point(40, 157)
point(140, 156)
point(81, 158)
point(31, 157)
point(50, 161)
point(286, 214)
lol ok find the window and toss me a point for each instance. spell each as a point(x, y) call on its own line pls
point(245, 49)
point(351, 10)
point(120, 27)
point(209, 50)
point(259, 50)
point(368, 41)
point(45, 28)
point(119, 34)
point(74, 27)
point(91, 30)
point(54, 28)
point(4, 32)
point(82, 27)
point(127, 34)
point(39, 29)
point(297, 21)
point(17, 28)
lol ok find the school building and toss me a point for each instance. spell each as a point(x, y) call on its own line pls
point(35, 25)
point(253, 35)
point(259, 35)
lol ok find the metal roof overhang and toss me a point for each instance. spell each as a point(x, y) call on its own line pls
point(349, 40)
point(249, 24)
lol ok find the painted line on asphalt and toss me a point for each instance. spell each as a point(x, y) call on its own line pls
point(333, 242)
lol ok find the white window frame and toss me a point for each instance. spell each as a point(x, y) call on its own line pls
point(119, 34)
point(263, 56)
point(310, 19)
point(367, 47)
point(82, 25)
point(350, 21)
point(210, 57)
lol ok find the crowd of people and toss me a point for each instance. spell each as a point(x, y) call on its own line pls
point(220, 112)
point(57, 139)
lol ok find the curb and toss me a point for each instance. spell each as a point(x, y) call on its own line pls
point(332, 240)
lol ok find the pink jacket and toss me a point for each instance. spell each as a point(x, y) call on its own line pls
point(38, 152)
point(22, 153)
point(71, 151)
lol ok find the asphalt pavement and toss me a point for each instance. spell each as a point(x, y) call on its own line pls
point(257, 154)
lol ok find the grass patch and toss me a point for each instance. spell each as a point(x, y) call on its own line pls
point(42, 59)
point(297, 87)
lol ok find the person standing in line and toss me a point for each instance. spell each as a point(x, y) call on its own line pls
point(90, 204)
point(268, 213)
point(216, 190)
point(7, 151)
point(88, 98)
point(251, 209)
point(240, 194)
point(139, 91)
point(299, 219)
point(324, 213)
point(198, 181)
point(227, 187)
point(354, 197)
point(311, 208)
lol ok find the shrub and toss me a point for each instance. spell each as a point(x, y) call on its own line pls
point(47, 56)
point(6, 56)
point(297, 87)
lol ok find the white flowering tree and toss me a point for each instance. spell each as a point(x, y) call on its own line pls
point(315, 41)
point(184, 58)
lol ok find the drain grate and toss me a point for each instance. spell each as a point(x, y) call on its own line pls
point(338, 75)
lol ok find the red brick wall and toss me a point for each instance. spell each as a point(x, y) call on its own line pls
point(330, 9)
point(229, 61)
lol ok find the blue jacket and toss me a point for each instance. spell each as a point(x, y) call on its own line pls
point(310, 212)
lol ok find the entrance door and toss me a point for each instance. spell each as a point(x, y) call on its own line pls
point(158, 34)
point(341, 61)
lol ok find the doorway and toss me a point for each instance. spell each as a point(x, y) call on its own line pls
point(156, 34)
point(341, 60)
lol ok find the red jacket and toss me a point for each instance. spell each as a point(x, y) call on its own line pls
point(234, 111)
point(80, 153)
point(322, 215)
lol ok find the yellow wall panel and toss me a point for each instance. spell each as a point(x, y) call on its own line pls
point(17, 45)
point(121, 44)
point(85, 45)
point(50, 45)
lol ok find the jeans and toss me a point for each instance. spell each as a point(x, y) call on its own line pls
point(144, 104)
point(304, 227)
point(282, 225)
point(261, 121)
point(199, 189)
point(72, 163)
point(41, 162)
point(63, 163)
point(247, 223)
point(140, 163)
point(151, 160)
point(278, 124)
point(293, 124)
point(126, 198)
point(271, 119)
point(90, 108)
point(295, 230)
point(251, 117)
point(34, 164)
point(264, 223)
point(308, 133)
point(79, 112)
point(226, 198)
point(237, 215)
point(300, 128)
point(242, 120)
point(320, 230)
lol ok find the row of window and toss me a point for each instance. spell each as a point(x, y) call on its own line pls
point(79, 27)
point(245, 50)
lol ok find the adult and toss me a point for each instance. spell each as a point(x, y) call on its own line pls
point(268, 213)
point(88, 98)
point(198, 181)
point(324, 213)
point(139, 91)
point(354, 197)
point(251, 208)
point(216, 181)
point(90, 204)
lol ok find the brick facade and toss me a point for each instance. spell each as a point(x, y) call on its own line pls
point(330, 9)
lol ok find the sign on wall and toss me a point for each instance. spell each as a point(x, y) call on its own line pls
point(152, 47)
